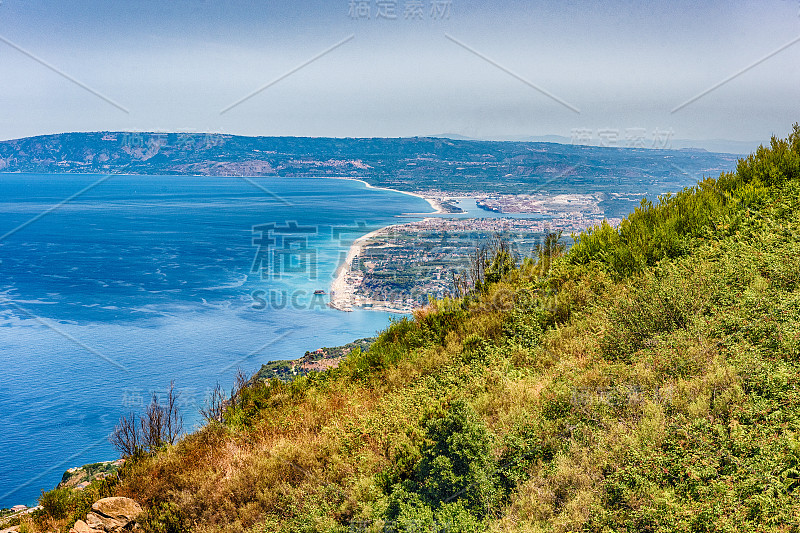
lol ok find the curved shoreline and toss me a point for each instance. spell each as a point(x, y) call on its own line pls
point(342, 293)
point(437, 208)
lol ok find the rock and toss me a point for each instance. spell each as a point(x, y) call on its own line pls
point(111, 515)
point(94, 522)
point(12, 529)
point(118, 507)
point(82, 527)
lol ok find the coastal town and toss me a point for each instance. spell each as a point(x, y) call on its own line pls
point(400, 267)
point(542, 203)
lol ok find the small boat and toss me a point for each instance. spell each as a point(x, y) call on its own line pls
point(319, 291)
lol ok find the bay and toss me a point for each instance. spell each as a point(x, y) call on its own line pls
point(112, 286)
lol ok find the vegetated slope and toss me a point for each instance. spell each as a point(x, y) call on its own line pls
point(647, 380)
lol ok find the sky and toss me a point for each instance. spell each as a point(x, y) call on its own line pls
point(614, 72)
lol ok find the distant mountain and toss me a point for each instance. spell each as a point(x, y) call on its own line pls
point(417, 163)
point(711, 145)
point(454, 136)
point(719, 145)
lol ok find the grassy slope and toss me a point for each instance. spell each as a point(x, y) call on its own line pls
point(645, 381)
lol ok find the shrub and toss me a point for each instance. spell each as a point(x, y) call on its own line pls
point(67, 505)
point(454, 479)
point(458, 465)
point(659, 304)
point(645, 381)
point(162, 518)
point(57, 503)
point(523, 448)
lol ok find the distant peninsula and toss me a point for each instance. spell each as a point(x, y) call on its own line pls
point(435, 165)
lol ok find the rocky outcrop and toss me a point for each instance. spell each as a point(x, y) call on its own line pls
point(81, 476)
point(109, 515)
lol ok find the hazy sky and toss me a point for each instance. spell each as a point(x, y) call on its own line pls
point(479, 69)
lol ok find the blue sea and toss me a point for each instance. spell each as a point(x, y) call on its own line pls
point(110, 287)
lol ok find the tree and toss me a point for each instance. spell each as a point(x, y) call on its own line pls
point(214, 411)
point(489, 264)
point(126, 436)
point(458, 464)
point(160, 425)
point(548, 250)
point(453, 486)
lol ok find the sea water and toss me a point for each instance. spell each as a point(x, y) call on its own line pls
point(112, 286)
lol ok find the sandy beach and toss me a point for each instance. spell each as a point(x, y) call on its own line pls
point(342, 290)
point(434, 203)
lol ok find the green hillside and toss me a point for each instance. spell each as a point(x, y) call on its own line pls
point(645, 380)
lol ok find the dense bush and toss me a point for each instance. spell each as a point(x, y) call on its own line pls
point(661, 302)
point(60, 508)
point(664, 230)
point(454, 484)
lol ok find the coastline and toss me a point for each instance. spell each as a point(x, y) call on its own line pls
point(342, 289)
point(434, 203)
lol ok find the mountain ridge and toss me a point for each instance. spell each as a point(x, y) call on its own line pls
point(410, 164)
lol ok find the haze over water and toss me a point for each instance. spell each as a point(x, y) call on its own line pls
point(144, 279)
